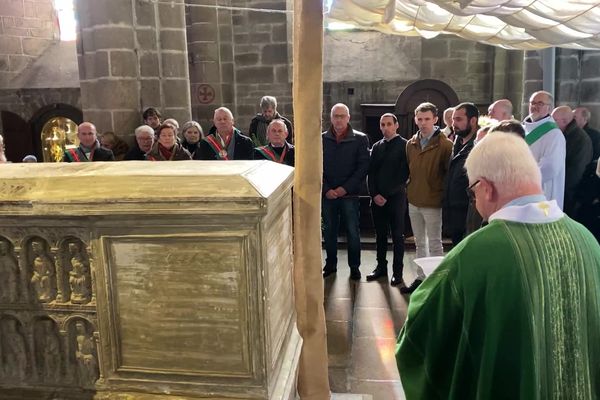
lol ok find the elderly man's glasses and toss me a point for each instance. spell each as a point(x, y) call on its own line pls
point(470, 192)
point(538, 103)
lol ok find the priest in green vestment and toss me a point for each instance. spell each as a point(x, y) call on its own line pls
point(513, 311)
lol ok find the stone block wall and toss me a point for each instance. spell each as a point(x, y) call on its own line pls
point(238, 53)
point(27, 28)
point(261, 58)
point(366, 67)
point(132, 55)
point(464, 65)
point(27, 102)
point(577, 80)
point(370, 67)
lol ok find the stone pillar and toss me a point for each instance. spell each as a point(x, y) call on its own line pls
point(210, 49)
point(132, 55)
point(237, 55)
point(532, 77)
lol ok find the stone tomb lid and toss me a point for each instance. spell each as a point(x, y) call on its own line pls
point(204, 185)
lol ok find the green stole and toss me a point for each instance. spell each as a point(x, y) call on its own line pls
point(540, 131)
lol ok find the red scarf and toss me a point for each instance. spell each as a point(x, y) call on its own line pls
point(166, 153)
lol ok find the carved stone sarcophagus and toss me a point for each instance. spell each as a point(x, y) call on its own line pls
point(149, 280)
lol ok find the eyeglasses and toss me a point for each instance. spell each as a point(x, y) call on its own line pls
point(470, 192)
point(538, 103)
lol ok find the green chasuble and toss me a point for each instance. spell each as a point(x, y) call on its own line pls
point(513, 312)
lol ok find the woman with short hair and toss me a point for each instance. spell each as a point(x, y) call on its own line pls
point(192, 135)
point(166, 147)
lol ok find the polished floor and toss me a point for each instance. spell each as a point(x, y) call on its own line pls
point(363, 321)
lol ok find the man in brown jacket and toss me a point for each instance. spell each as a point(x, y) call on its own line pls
point(428, 153)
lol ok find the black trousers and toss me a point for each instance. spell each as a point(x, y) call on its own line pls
point(388, 218)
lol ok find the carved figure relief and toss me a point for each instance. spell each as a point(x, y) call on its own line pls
point(48, 351)
point(13, 350)
point(85, 355)
point(79, 276)
point(9, 274)
point(43, 279)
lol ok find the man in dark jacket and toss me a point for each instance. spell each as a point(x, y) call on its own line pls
point(582, 118)
point(258, 126)
point(345, 165)
point(227, 142)
point(89, 148)
point(144, 140)
point(388, 172)
point(455, 203)
point(579, 154)
point(278, 149)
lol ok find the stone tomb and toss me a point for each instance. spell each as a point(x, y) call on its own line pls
point(150, 280)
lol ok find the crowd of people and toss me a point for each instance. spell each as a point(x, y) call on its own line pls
point(426, 174)
point(513, 310)
point(270, 138)
point(164, 140)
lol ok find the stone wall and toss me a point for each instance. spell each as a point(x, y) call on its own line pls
point(132, 55)
point(27, 28)
point(370, 67)
point(237, 55)
point(577, 80)
point(366, 67)
point(26, 102)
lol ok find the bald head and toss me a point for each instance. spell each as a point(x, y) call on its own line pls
point(501, 110)
point(540, 104)
point(87, 134)
point(582, 116)
point(563, 116)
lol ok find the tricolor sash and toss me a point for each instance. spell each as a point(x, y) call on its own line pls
point(270, 155)
point(217, 148)
point(77, 155)
point(540, 131)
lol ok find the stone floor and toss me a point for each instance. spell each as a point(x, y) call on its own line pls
point(363, 321)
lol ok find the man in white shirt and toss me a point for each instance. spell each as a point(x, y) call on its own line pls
point(547, 144)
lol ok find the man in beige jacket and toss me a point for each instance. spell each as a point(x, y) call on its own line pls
point(428, 153)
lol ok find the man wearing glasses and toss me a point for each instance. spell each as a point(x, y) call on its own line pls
point(513, 312)
point(547, 143)
point(345, 167)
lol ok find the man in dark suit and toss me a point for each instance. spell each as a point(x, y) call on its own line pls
point(227, 142)
point(89, 148)
point(277, 149)
point(388, 172)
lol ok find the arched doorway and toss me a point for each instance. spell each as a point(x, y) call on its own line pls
point(17, 137)
point(431, 90)
point(45, 114)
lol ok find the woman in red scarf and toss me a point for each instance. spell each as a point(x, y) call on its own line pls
point(166, 147)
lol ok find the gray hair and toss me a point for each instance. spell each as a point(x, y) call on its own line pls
point(192, 124)
point(171, 121)
point(268, 101)
point(225, 110)
point(340, 105)
point(143, 128)
point(504, 159)
point(548, 94)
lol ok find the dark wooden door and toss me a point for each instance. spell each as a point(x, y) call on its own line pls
point(17, 137)
point(430, 90)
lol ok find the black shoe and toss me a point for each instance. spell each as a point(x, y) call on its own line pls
point(377, 273)
point(413, 286)
point(355, 274)
point(328, 271)
point(396, 280)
